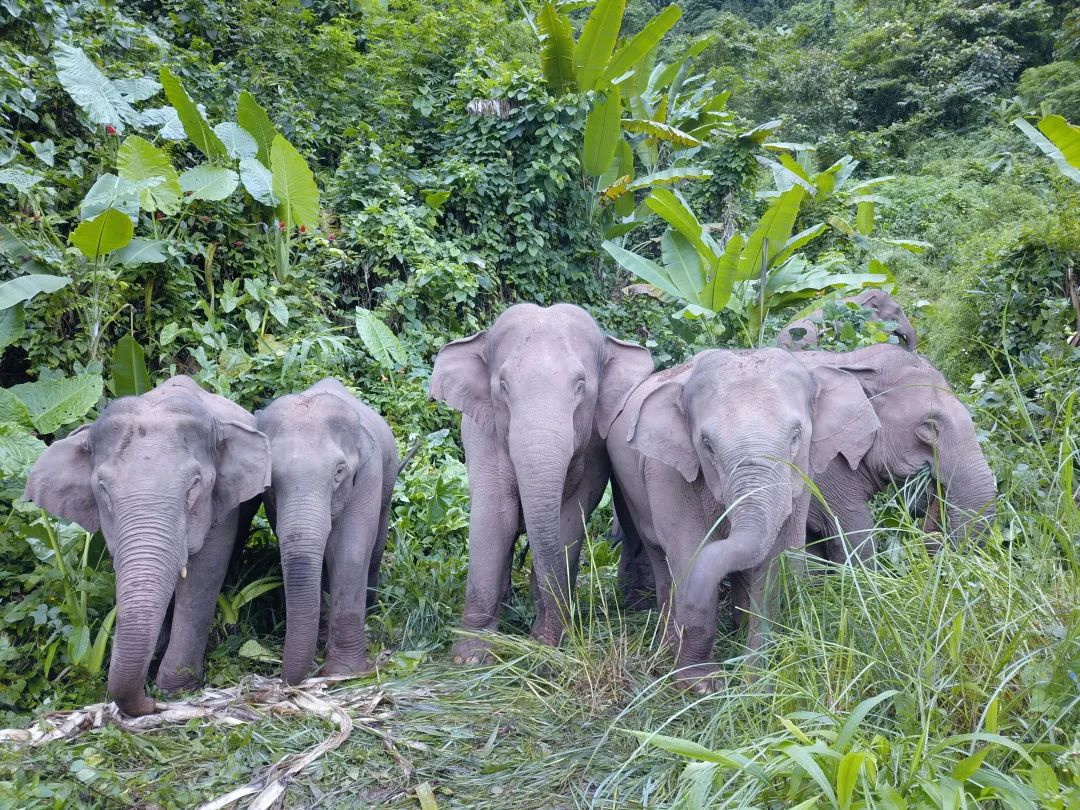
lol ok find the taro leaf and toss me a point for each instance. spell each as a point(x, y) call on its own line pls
point(129, 375)
point(91, 90)
point(103, 234)
point(18, 451)
point(254, 119)
point(12, 325)
point(45, 151)
point(22, 179)
point(194, 124)
point(149, 168)
point(239, 143)
point(142, 251)
point(382, 344)
point(55, 403)
point(206, 182)
point(279, 311)
point(293, 185)
point(137, 89)
point(167, 121)
point(23, 288)
point(110, 191)
point(13, 411)
point(257, 180)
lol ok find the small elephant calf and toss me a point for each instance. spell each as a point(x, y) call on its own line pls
point(805, 332)
point(333, 465)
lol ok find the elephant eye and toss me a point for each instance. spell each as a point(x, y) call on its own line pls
point(579, 388)
point(705, 443)
point(339, 473)
point(105, 493)
point(796, 434)
point(502, 385)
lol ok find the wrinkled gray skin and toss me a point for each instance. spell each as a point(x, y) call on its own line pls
point(877, 300)
point(537, 392)
point(161, 476)
point(333, 467)
point(923, 424)
point(728, 430)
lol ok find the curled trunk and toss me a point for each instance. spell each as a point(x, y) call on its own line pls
point(303, 525)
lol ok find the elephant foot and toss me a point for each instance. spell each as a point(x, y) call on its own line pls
point(344, 666)
point(472, 652)
point(177, 680)
point(137, 707)
point(545, 634)
point(701, 679)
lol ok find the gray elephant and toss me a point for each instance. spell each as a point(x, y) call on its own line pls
point(805, 332)
point(537, 392)
point(162, 476)
point(923, 425)
point(333, 465)
point(727, 437)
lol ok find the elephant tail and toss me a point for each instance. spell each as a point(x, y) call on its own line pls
point(408, 457)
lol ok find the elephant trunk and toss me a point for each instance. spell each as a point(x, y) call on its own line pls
point(541, 457)
point(971, 493)
point(303, 525)
point(150, 549)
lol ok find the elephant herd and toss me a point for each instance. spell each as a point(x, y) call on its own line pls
point(710, 465)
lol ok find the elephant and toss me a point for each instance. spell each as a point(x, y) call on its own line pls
point(727, 438)
point(923, 425)
point(804, 333)
point(164, 477)
point(537, 393)
point(333, 465)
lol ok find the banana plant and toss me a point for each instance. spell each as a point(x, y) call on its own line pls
point(1058, 140)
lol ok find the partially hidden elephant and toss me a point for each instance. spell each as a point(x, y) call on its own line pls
point(805, 332)
point(727, 439)
point(163, 477)
point(537, 393)
point(923, 425)
point(333, 465)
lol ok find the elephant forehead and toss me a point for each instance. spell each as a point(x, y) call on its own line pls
point(309, 412)
point(559, 321)
point(152, 434)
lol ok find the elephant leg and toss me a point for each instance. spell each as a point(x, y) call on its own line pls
point(855, 540)
point(661, 575)
point(493, 527)
point(377, 552)
point(350, 547)
point(193, 609)
point(561, 578)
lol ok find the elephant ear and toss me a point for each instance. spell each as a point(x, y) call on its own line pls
point(624, 368)
point(461, 378)
point(60, 480)
point(243, 465)
point(844, 422)
point(659, 430)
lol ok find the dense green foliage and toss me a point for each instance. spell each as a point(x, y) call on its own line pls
point(261, 194)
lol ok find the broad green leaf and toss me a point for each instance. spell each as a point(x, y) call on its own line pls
point(965, 768)
point(13, 411)
point(602, 133)
point(97, 653)
point(12, 324)
point(721, 280)
point(639, 46)
point(22, 180)
point(103, 234)
point(142, 251)
point(56, 403)
point(855, 718)
point(198, 131)
point(1064, 136)
point(382, 344)
point(22, 289)
point(1054, 150)
point(799, 240)
point(682, 263)
point(669, 177)
point(864, 216)
point(643, 268)
point(239, 143)
point(293, 186)
point(624, 158)
point(597, 41)
point(258, 181)
point(149, 168)
point(206, 182)
point(670, 207)
point(78, 643)
point(110, 191)
point(775, 226)
point(18, 452)
point(761, 132)
point(129, 375)
point(803, 757)
point(165, 120)
point(847, 775)
point(661, 131)
point(556, 49)
point(436, 198)
point(140, 89)
point(90, 89)
point(257, 123)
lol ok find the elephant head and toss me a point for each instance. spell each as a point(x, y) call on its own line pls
point(923, 425)
point(804, 333)
point(153, 473)
point(323, 455)
point(546, 382)
point(749, 425)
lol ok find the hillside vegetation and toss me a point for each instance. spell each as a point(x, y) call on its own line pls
point(264, 193)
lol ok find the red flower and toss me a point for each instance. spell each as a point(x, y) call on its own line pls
point(159, 215)
point(110, 129)
point(303, 229)
point(331, 237)
point(204, 219)
point(281, 225)
point(238, 243)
